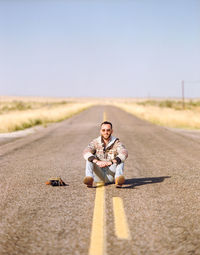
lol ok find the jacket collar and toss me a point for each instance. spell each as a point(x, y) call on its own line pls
point(111, 142)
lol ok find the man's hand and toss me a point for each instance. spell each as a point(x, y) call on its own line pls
point(103, 163)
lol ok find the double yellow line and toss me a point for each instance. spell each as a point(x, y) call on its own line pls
point(121, 223)
point(98, 234)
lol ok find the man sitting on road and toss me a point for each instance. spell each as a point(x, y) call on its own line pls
point(105, 158)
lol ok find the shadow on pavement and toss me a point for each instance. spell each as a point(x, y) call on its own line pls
point(131, 183)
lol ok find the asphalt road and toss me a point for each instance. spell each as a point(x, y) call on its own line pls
point(161, 195)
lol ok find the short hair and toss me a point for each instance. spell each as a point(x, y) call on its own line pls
point(106, 122)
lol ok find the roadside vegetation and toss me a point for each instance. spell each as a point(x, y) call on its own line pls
point(18, 105)
point(169, 113)
point(173, 104)
point(22, 113)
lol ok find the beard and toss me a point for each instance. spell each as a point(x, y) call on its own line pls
point(107, 137)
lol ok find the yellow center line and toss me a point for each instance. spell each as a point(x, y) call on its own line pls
point(121, 225)
point(97, 242)
point(98, 234)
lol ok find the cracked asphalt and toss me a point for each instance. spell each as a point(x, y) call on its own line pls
point(161, 195)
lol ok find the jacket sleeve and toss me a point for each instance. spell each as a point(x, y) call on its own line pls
point(122, 153)
point(89, 151)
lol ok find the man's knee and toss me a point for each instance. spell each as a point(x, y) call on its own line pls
point(114, 167)
point(89, 163)
point(120, 166)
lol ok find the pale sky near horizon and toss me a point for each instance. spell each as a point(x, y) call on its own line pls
point(138, 48)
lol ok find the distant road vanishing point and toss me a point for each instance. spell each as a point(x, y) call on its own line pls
point(158, 207)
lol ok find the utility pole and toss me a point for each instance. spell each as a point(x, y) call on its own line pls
point(183, 90)
point(183, 97)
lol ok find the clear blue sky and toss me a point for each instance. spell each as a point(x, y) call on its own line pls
point(110, 48)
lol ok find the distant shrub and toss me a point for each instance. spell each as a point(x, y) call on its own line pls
point(174, 104)
point(17, 105)
point(38, 122)
point(166, 103)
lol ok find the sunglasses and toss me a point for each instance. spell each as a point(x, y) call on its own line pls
point(103, 130)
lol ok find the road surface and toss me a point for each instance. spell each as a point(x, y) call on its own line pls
point(160, 199)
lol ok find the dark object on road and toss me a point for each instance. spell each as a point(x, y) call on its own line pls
point(56, 181)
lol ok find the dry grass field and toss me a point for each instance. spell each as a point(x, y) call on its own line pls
point(21, 113)
point(169, 113)
point(18, 113)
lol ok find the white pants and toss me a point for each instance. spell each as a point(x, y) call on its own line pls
point(104, 174)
